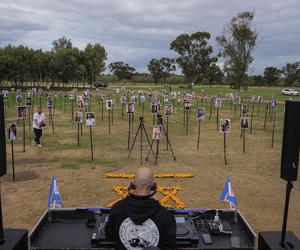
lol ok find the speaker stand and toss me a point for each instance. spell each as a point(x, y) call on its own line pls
point(289, 187)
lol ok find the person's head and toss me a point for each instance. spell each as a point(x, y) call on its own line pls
point(89, 115)
point(143, 181)
point(39, 110)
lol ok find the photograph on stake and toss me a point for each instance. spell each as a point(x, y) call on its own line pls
point(90, 119)
point(130, 108)
point(78, 117)
point(21, 111)
point(169, 110)
point(200, 113)
point(11, 131)
point(157, 132)
point(225, 126)
point(244, 122)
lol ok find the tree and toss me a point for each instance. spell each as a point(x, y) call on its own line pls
point(121, 70)
point(62, 43)
point(64, 60)
point(291, 72)
point(161, 68)
point(258, 80)
point(94, 60)
point(271, 75)
point(214, 74)
point(194, 55)
point(238, 43)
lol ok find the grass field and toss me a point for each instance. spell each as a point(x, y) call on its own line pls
point(254, 174)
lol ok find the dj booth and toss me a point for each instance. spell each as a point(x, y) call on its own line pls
point(83, 228)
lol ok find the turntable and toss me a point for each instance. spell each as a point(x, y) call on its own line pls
point(186, 233)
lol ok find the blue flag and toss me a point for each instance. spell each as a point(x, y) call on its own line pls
point(227, 194)
point(54, 198)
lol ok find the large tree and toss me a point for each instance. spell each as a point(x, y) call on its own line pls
point(271, 75)
point(94, 60)
point(121, 70)
point(194, 55)
point(213, 74)
point(161, 68)
point(64, 60)
point(238, 42)
point(291, 72)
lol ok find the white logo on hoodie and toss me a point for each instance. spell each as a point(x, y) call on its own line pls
point(136, 237)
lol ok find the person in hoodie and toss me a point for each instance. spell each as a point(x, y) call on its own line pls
point(139, 221)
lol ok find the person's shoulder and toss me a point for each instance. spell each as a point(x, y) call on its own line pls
point(117, 206)
point(165, 212)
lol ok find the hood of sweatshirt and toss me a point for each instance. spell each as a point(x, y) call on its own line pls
point(140, 208)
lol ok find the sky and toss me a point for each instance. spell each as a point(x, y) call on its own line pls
point(135, 31)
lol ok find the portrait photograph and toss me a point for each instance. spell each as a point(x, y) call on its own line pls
point(71, 96)
point(200, 113)
point(80, 103)
point(157, 132)
point(123, 99)
point(5, 92)
point(86, 101)
point(109, 104)
point(259, 98)
point(218, 103)
point(11, 131)
point(154, 108)
point(19, 98)
point(49, 102)
point(187, 105)
point(90, 119)
point(244, 122)
point(28, 101)
point(169, 110)
point(130, 108)
point(224, 125)
point(78, 117)
point(21, 111)
point(142, 98)
point(133, 98)
point(244, 108)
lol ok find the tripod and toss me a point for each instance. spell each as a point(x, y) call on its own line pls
point(160, 122)
point(140, 130)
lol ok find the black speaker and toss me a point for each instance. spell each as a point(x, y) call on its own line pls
point(2, 139)
point(15, 239)
point(290, 141)
point(271, 241)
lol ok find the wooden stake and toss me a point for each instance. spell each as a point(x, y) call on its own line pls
point(13, 159)
point(225, 159)
point(199, 126)
point(91, 140)
point(244, 141)
point(23, 134)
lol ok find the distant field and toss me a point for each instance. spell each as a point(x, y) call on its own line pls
point(255, 174)
point(266, 92)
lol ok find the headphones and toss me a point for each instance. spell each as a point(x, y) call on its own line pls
point(133, 187)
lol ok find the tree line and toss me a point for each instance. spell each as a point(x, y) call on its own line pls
point(65, 64)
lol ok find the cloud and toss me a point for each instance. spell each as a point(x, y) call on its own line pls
point(135, 31)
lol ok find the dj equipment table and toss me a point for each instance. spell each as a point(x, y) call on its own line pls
point(83, 228)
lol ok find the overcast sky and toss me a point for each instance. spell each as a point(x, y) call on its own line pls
point(135, 31)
